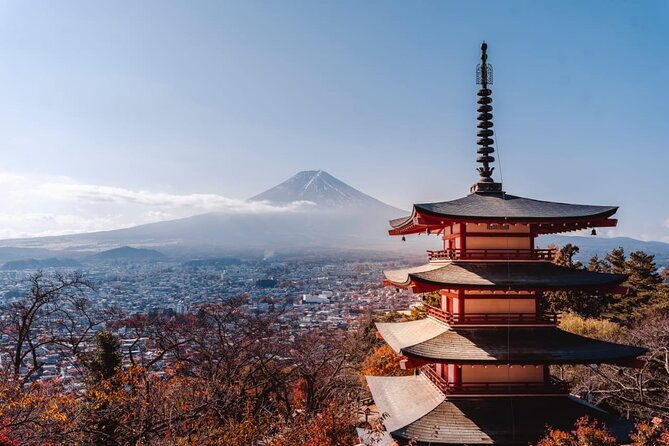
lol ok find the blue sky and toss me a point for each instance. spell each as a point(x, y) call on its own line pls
point(118, 113)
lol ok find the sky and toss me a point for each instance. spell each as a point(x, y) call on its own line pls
point(118, 113)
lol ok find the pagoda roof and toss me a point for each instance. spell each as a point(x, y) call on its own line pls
point(477, 420)
point(501, 207)
point(433, 341)
point(508, 275)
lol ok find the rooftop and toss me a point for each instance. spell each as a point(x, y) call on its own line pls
point(430, 340)
point(511, 275)
point(476, 420)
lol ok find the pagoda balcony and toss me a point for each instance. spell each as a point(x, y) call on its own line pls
point(491, 254)
point(544, 318)
point(553, 386)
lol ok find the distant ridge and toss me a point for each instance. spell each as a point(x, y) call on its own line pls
point(36, 264)
point(128, 253)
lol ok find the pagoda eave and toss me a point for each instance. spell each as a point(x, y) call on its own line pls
point(420, 286)
point(417, 360)
point(513, 276)
point(432, 341)
point(422, 223)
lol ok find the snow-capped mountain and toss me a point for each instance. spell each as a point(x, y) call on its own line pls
point(319, 187)
point(337, 216)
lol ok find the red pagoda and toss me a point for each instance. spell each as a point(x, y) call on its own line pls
point(482, 355)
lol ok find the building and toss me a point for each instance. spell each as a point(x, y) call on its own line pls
point(482, 356)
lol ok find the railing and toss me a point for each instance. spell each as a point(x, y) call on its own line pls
point(544, 318)
point(553, 386)
point(437, 380)
point(491, 254)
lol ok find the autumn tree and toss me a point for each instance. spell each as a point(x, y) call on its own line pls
point(585, 433)
point(592, 433)
point(56, 311)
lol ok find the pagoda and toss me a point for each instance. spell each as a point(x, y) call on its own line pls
point(481, 357)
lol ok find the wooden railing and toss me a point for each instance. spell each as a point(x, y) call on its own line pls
point(552, 386)
point(545, 318)
point(437, 380)
point(492, 254)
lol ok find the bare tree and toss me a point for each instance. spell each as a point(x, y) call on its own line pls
point(56, 310)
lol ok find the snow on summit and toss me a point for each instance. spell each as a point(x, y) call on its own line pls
point(318, 187)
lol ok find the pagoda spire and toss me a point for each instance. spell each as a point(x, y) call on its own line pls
point(485, 133)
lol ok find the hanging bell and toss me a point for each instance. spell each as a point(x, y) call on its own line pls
point(593, 232)
point(404, 239)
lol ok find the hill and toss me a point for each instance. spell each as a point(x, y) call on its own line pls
point(35, 264)
point(126, 253)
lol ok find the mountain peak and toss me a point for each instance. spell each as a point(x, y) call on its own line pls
point(319, 187)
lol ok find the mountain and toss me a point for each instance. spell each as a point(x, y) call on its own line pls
point(35, 264)
point(589, 246)
point(321, 188)
point(338, 217)
point(126, 253)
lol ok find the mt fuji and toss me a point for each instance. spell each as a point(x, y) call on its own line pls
point(320, 211)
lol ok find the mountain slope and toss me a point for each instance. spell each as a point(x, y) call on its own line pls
point(321, 188)
point(342, 217)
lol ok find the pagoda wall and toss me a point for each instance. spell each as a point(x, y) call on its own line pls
point(500, 305)
point(495, 302)
point(502, 374)
point(500, 242)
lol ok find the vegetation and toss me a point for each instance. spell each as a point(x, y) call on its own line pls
point(591, 433)
point(644, 284)
point(220, 377)
point(641, 318)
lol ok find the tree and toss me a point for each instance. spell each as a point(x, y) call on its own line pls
point(103, 390)
point(108, 357)
point(582, 303)
point(615, 261)
point(565, 257)
point(640, 392)
point(642, 283)
point(55, 311)
point(383, 362)
point(586, 433)
point(643, 275)
point(591, 433)
point(597, 265)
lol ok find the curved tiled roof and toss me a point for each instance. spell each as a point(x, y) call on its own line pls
point(404, 401)
point(405, 334)
point(415, 409)
point(518, 345)
point(505, 420)
point(502, 206)
point(536, 275)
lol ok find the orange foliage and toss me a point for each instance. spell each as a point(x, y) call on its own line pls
point(591, 433)
point(383, 362)
point(586, 433)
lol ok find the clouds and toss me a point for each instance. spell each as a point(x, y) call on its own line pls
point(38, 206)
